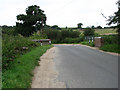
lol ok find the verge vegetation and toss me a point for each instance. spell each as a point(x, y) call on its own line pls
point(111, 43)
point(20, 55)
point(20, 74)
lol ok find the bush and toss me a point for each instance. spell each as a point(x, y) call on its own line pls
point(12, 47)
point(51, 34)
point(89, 32)
point(111, 48)
point(9, 30)
point(72, 40)
point(111, 43)
point(110, 39)
point(59, 36)
point(87, 43)
point(39, 36)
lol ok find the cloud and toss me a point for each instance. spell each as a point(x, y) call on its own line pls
point(61, 12)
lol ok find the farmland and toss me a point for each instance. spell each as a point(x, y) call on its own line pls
point(106, 31)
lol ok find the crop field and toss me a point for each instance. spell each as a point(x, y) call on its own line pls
point(105, 31)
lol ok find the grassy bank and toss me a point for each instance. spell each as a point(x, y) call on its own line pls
point(20, 74)
point(87, 43)
point(110, 43)
point(111, 48)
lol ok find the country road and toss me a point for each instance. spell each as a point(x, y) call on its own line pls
point(83, 67)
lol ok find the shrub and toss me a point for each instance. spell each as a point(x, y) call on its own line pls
point(51, 34)
point(89, 32)
point(12, 47)
point(111, 48)
point(9, 30)
point(87, 43)
point(110, 39)
point(59, 36)
point(39, 36)
point(72, 40)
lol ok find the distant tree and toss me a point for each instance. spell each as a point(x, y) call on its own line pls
point(79, 25)
point(34, 20)
point(93, 27)
point(99, 27)
point(116, 18)
point(89, 32)
point(66, 27)
point(56, 27)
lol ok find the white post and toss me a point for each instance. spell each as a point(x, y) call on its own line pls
point(41, 43)
point(89, 40)
point(49, 42)
point(92, 39)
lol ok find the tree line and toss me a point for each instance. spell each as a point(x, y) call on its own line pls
point(35, 20)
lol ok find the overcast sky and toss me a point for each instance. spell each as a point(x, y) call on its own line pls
point(61, 12)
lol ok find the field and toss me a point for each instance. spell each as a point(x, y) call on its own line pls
point(105, 31)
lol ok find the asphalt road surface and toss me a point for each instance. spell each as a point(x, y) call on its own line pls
point(83, 67)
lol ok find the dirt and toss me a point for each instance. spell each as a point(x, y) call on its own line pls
point(45, 75)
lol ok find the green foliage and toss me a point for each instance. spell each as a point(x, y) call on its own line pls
point(116, 18)
point(110, 39)
point(111, 48)
point(38, 35)
point(80, 25)
point(9, 30)
point(34, 20)
point(12, 47)
point(89, 32)
point(99, 27)
point(111, 43)
point(21, 73)
point(56, 27)
point(72, 40)
point(58, 36)
point(87, 43)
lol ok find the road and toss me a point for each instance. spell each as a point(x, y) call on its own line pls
point(83, 67)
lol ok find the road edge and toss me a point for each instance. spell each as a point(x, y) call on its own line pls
point(95, 48)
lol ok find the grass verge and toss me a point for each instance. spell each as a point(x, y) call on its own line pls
point(111, 48)
point(87, 43)
point(20, 75)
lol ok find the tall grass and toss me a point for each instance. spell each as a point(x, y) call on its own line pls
point(12, 47)
point(111, 48)
point(111, 43)
point(20, 74)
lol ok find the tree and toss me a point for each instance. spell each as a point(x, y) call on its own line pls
point(34, 20)
point(99, 27)
point(79, 25)
point(56, 27)
point(116, 18)
point(93, 27)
